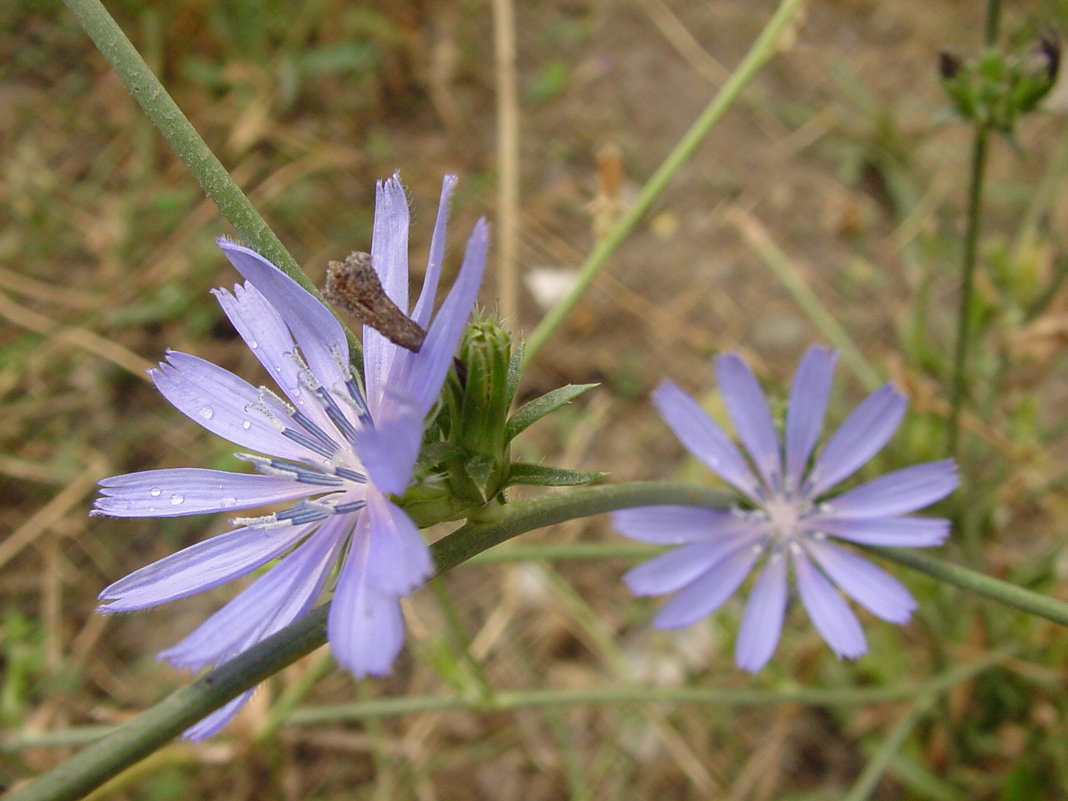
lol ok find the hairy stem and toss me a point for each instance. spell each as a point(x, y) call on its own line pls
point(145, 734)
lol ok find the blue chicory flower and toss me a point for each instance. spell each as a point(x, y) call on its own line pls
point(787, 516)
point(336, 452)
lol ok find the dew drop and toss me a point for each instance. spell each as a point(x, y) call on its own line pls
point(246, 424)
point(253, 344)
point(155, 492)
point(177, 499)
point(229, 501)
point(207, 412)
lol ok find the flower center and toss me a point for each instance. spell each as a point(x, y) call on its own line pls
point(786, 515)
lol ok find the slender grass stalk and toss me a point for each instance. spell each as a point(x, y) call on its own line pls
point(153, 728)
point(810, 303)
point(511, 700)
point(507, 228)
point(759, 54)
point(877, 765)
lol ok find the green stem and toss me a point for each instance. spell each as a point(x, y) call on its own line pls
point(877, 765)
point(759, 54)
point(1025, 600)
point(959, 385)
point(965, 312)
point(511, 700)
point(181, 135)
point(148, 732)
point(183, 138)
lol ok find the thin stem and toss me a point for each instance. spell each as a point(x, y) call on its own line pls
point(965, 312)
point(1025, 600)
point(959, 385)
point(143, 735)
point(759, 54)
point(877, 765)
point(993, 21)
point(183, 138)
point(511, 700)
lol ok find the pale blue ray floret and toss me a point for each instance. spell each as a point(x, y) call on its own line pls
point(335, 450)
point(784, 518)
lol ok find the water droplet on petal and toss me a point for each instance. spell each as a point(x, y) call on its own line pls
point(207, 412)
point(177, 499)
point(246, 424)
point(229, 501)
point(253, 344)
point(155, 492)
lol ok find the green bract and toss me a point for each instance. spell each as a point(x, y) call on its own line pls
point(465, 463)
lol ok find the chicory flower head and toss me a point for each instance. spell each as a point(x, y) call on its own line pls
point(334, 453)
point(787, 518)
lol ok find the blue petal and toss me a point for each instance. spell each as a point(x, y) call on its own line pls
point(707, 592)
point(365, 627)
point(215, 722)
point(389, 258)
point(677, 568)
point(223, 404)
point(897, 531)
point(431, 364)
point(283, 594)
point(200, 567)
point(902, 491)
point(415, 379)
point(764, 613)
point(191, 490)
point(807, 408)
point(869, 585)
point(748, 409)
point(389, 449)
point(424, 306)
point(861, 436)
point(677, 525)
point(703, 438)
point(267, 336)
point(318, 333)
point(397, 557)
point(829, 612)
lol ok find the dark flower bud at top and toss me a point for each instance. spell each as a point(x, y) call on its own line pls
point(996, 88)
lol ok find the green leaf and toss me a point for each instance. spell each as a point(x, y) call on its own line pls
point(541, 475)
point(515, 371)
point(532, 411)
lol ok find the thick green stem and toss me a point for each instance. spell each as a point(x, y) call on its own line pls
point(183, 137)
point(759, 54)
point(137, 739)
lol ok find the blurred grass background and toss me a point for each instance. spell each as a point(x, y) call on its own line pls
point(840, 157)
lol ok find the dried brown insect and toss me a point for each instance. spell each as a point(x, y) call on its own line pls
point(354, 286)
